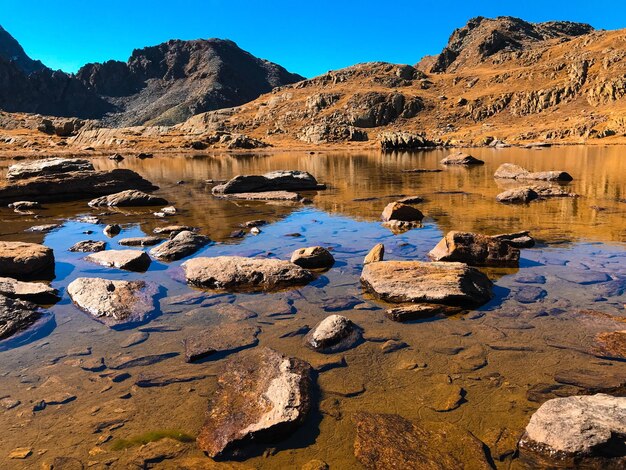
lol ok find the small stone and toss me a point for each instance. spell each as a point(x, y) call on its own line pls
point(87, 246)
point(375, 254)
point(21, 453)
point(111, 230)
point(333, 334)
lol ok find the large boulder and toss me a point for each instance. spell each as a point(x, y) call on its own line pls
point(74, 185)
point(15, 316)
point(31, 291)
point(384, 442)
point(418, 281)
point(47, 167)
point(273, 181)
point(476, 250)
point(401, 212)
point(128, 198)
point(114, 302)
point(183, 244)
point(261, 395)
point(25, 260)
point(314, 257)
point(131, 260)
point(237, 273)
point(460, 158)
point(335, 333)
point(516, 172)
point(577, 432)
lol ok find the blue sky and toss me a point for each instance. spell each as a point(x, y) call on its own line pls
point(305, 36)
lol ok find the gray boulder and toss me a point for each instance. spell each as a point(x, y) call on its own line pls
point(511, 171)
point(333, 334)
point(131, 260)
point(290, 180)
point(15, 316)
point(47, 167)
point(183, 244)
point(31, 291)
point(128, 198)
point(476, 250)
point(314, 257)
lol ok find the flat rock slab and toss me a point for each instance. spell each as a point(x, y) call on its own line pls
point(583, 277)
point(384, 442)
point(114, 302)
point(418, 282)
point(460, 158)
point(289, 180)
point(611, 344)
point(74, 185)
point(130, 260)
point(475, 249)
point(264, 196)
point(128, 198)
point(593, 381)
point(511, 171)
point(237, 273)
point(444, 397)
point(31, 291)
point(24, 260)
point(222, 338)
point(529, 294)
point(140, 241)
point(418, 311)
point(334, 334)
point(517, 196)
point(261, 393)
point(577, 432)
point(15, 316)
point(88, 246)
point(185, 243)
point(46, 167)
point(173, 229)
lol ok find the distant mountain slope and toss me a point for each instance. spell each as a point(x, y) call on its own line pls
point(500, 78)
point(164, 84)
point(168, 83)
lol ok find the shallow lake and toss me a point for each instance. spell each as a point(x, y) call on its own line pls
point(542, 322)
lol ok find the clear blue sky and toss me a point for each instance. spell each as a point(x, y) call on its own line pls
point(305, 36)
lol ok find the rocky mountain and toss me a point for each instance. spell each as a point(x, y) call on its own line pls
point(168, 83)
point(160, 85)
point(497, 79)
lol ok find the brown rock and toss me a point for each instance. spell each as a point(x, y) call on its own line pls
point(511, 171)
point(517, 195)
point(384, 442)
point(375, 254)
point(417, 281)
point(131, 260)
point(261, 394)
point(222, 338)
point(461, 158)
point(128, 198)
point(417, 311)
point(15, 316)
point(140, 241)
point(401, 212)
point(88, 246)
point(32, 291)
point(113, 302)
point(315, 257)
point(185, 243)
point(476, 250)
point(239, 274)
point(24, 260)
point(290, 180)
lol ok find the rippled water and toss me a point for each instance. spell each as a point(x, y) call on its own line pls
point(525, 335)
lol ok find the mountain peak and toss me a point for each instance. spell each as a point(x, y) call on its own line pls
point(483, 37)
point(11, 51)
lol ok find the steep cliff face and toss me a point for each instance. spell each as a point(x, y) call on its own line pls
point(168, 83)
point(11, 51)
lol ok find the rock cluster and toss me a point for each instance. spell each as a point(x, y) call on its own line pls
point(516, 172)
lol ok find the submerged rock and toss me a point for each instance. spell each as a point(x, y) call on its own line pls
point(334, 334)
point(268, 393)
point(511, 171)
point(88, 246)
point(386, 442)
point(183, 244)
point(131, 260)
point(577, 431)
point(31, 291)
point(418, 311)
point(23, 260)
point(113, 302)
point(240, 274)
point(128, 198)
point(315, 257)
point(290, 180)
point(461, 158)
point(476, 250)
point(436, 282)
point(225, 337)
point(15, 316)
point(375, 254)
